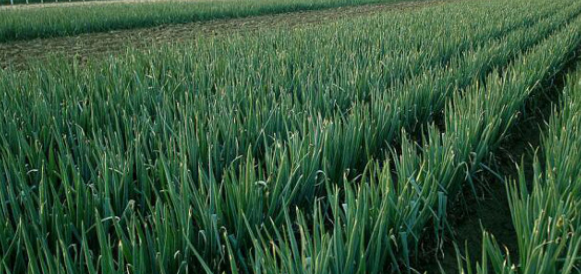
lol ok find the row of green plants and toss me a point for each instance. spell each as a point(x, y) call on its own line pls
point(163, 77)
point(42, 22)
point(250, 153)
point(381, 215)
point(545, 206)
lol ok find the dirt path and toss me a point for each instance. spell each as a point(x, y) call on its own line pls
point(94, 44)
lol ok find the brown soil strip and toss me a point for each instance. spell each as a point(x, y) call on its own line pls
point(98, 44)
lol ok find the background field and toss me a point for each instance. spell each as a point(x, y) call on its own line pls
point(42, 22)
point(19, 53)
point(401, 140)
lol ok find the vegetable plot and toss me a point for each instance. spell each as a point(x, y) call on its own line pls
point(328, 149)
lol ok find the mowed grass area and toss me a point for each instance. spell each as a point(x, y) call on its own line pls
point(42, 22)
point(337, 148)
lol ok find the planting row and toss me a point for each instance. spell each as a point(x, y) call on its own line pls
point(545, 207)
point(372, 225)
point(238, 108)
point(271, 157)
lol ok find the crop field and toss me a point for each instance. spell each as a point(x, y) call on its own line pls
point(18, 53)
point(21, 24)
point(440, 138)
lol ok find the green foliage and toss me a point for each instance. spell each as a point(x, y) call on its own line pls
point(545, 211)
point(21, 24)
point(305, 151)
